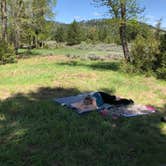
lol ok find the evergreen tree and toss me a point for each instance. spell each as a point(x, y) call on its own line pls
point(74, 34)
point(60, 34)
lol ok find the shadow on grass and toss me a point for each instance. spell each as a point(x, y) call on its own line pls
point(36, 131)
point(99, 65)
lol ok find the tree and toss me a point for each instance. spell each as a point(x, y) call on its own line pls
point(158, 29)
point(60, 34)
point(122, 11)
point(41, 11)
point(148, 48)
point(161, 59)
point(16, 19)
point(28, 21)
point(74, 35)
point(102, 33)
point(7, 54)
point(4, 19)
point(92, 34)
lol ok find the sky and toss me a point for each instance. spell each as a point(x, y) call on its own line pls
point(68, 10)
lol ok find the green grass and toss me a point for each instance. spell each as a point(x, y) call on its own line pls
point(36, 131)
point(58, 51)
point(79, 50)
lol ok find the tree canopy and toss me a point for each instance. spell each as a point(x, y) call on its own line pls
point(121, 11)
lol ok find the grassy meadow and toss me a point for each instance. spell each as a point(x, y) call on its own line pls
point(36, 131)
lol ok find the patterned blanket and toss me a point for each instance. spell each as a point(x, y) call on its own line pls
point(76, 103)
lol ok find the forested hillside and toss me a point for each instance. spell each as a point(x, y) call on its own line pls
point(102, 30)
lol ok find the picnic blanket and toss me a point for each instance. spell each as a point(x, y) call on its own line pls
point(71, 102)
point(129, 110)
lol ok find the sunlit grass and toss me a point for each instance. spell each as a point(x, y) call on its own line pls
point(57, 71)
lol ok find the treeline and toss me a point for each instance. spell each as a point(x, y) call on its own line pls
point(25, 22)
point(92, 31)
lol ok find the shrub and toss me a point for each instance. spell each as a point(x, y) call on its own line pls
point(162, 43)
point(144, 53)
point(7, 53)
point(160, 65)
point(148, 56)
point(161, 72)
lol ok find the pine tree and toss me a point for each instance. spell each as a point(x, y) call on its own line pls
point(60, 34)
point(74, 35)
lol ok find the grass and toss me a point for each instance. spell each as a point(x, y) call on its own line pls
point(58, 51)
point(36, 131)
point(79, 50)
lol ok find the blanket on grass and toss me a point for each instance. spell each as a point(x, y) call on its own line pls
point(129, 110)
point(74, 102)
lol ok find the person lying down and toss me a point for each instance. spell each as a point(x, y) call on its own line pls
point(88, 103)
point(95, 100)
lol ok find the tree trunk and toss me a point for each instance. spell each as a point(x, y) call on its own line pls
point(122, 30)
point(124, 42)
point(16, 41)
point(4, 20)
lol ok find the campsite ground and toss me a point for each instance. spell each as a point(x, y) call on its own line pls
point(36, 131)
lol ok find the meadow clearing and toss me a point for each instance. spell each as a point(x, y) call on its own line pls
point(36, 131)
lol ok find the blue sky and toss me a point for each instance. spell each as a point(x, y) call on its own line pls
point(68, 10)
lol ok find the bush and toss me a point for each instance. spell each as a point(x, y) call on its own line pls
point(7, 53)
point(144, 54)
point(162, 43)
point(148, 56)
point(160, 65)
point(161, 72)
